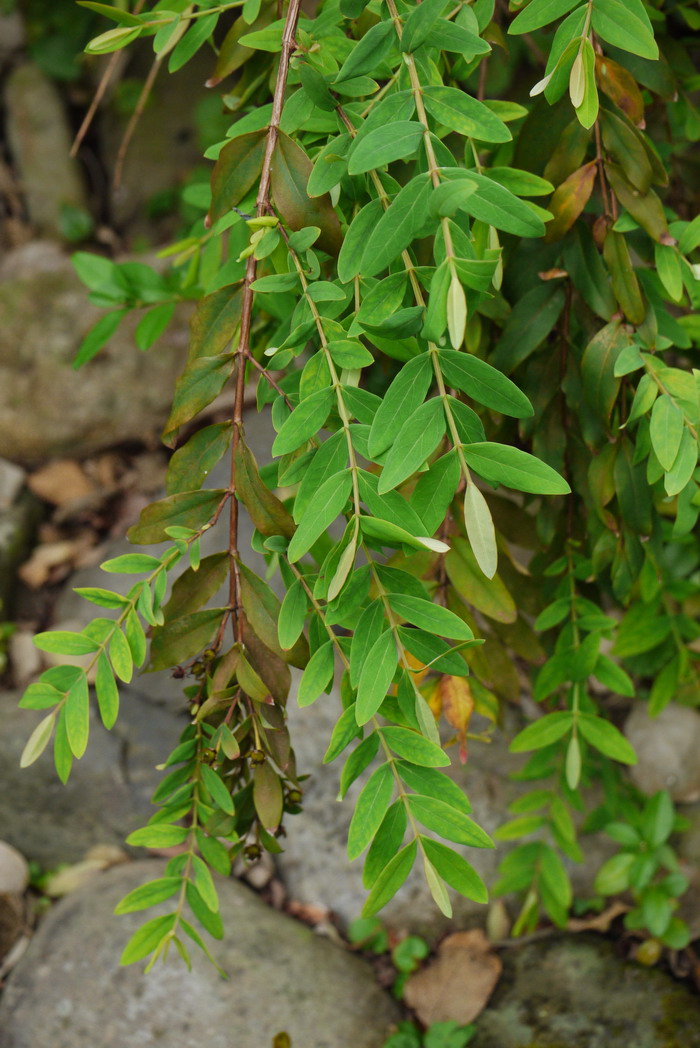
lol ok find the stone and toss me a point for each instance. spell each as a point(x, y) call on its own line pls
point(18, 524)
point(107, 795)
point(122, 395)
point(12, 479)
point(667, 749)
point(39, 138)
point(574, 992)
point(69, 991)
point(14, 872)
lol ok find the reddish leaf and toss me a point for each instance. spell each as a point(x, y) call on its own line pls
point(290, 172)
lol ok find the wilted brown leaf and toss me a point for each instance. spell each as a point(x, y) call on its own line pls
point(457, 704)
point(619, 85)
point(458, 983)
point(569, 200)
point(60, 482)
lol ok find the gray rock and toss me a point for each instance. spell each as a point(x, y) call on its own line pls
point(18, 524)
point(69, 991)
point(107, 795)
point(122, 395)
point(573, 992)
point(40, 139)
point(667, 749)
point(11, 482)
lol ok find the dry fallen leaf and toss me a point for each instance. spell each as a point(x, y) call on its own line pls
point(12, 921)
point(97, 859)
point(47, 559)
point(60, 482)
point(458, 983)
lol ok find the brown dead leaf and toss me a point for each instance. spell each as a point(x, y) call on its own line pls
point(12, 921)
point(458, 983)
point(46, 560)
point(70, 878)
point(458, 706)
point(60, 482)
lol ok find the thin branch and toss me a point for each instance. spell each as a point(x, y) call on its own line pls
point(105, 79)
point(243, 352)
point(134, 119)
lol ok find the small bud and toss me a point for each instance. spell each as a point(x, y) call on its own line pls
point(294, 796)
point(257, 757)
point(252, 852)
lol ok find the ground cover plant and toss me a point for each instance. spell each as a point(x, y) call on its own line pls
point(453, 245)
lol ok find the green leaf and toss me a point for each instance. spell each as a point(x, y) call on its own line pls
point(158, 835)
point(384, 145)
point(454, 869)
point(387, 841)
point(464, 114)
point(484, 383)
point(539, 13)
point(497, 206)
point(360, 758)
point(684, 464)
point(131, 564)
point(65, 643)
point(317, 676)
point(147, 895)
point(414, 747)
point(605, 737)
point(542, 732)
point(397, 226)
point(304, 422)
point(355, 241)
point(267, 513)
point(38, 741)
point(625, 24)
point(499, 463)
point(147, 938)
point(107, 693)
point(420, 21)
point(449, 823)
point(415, 442)
point(368, 52)
point(102, 597)
point(376, 676)
point(370, 810)
point(390, 879)
point(431, 617)
point(290, 623)
point(432, 783)
point(405, 394)
point(613, 876)
point(120, 656)
point(217, 789)
point(490, 597)
point(345, 730)
point(666, 430)
point(328, 503)
point(480, 530)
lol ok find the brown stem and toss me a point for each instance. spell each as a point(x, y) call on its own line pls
point(267, 375)
point(243, 352)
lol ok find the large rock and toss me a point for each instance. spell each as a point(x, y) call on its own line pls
point(39, 138)
point(121, 395)
point(574, 992)
point(107, 795)
point(69, 991)
point(667, 751)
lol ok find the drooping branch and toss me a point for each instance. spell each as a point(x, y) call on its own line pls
point(262, 207)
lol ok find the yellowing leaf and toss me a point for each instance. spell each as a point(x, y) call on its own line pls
point(457, 704)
